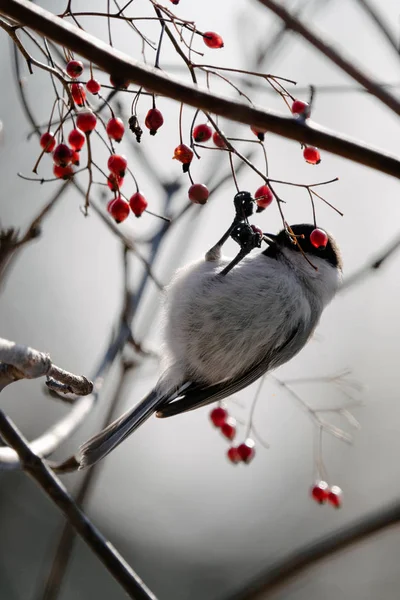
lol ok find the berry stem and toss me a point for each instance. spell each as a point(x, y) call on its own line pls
point(233, 171)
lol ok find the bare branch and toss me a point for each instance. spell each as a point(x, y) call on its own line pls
point(280, 573)
point(19, 362)
point(343, 62)
point(123, 66)
point(57, 492)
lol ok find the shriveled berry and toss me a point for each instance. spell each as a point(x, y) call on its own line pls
point(86, 121)
point(319, 238)
point(184, 154)
point(118, 209)
point(213, 39)
point(263, 196)
point(78, 93)
point(76, 139)
point(259, 132)
point(119, 82)
point(74, 68)
point(114, 182)
point(228, 429)
point(246, 450)
point(135, 127)
point(233, 455)
point(335, 496)
point(93, 86)
point(62, 155)
point(117, 164)
point(319, 492)
point(75, 160)
point(48, 141)
point(301, 108)
point(63, 172)
point(115, 129)
point(218, 140)
point(198, 193)
point(154, 120)
point(202, 133)
point(257, 230)
point(312, 155)
point(218, 416)
point(138, 204)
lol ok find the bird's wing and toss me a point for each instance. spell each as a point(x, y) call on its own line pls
point(197, 395)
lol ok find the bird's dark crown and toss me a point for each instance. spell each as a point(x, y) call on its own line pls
point(302, 231)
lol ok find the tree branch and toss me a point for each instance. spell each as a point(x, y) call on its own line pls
point(22, 362)
point(122, 66)
point(346, 64)
point(53, 488)
point(282, 571)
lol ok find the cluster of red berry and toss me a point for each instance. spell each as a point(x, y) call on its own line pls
point(245, 452)
point(322, 493)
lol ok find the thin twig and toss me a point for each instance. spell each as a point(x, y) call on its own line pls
point(343, 62)
point(123, 66)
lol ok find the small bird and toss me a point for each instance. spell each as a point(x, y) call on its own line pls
point(225, 326)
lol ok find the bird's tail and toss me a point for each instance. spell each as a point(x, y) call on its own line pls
point(109, 438)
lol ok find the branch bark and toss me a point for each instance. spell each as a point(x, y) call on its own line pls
point(281, 572)
point(53, 488)
point(22, 362)
point(122, 66)
point(338, 58)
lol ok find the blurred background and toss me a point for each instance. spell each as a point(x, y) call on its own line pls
point(190, 523)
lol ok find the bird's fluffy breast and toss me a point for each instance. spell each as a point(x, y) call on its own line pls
point(216, 327)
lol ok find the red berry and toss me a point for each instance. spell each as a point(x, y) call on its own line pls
point(78, 93)
point(117, 164)
point(63, 172)
point(76, 139)
point(62, 155)
point(86, 121)
point(198, 193)
point(319, 238)
point(202, 133)
point(115, 129)
point(233, 455)
point(218, 416)
point(74, 68)
point(183, 154)
point(213, 40)
point(301, 108)
point(48, 141)
point(218, 140)
point(138, 204)
point(259, 132)
point(246, 450)
point(118, 209)
point(93, 86)
point(335, 496)
point(75, 158)
point(114, 182)
point(263, 196)
point(320, 491)
point(154, 120)
point(312, 155)
point(119, 82)
point(174, 1)
point(228, 429)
